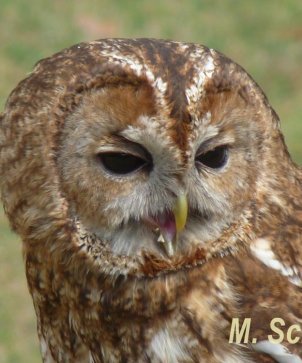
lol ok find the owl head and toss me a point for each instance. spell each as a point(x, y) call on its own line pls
point(154, 154)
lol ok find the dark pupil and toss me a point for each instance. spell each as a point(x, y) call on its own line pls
point(121, 163)
point(215, 158)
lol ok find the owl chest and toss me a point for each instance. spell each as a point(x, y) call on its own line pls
point(172, 319)
point(186, 330)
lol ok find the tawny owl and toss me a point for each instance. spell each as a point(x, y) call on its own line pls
point(157, 203)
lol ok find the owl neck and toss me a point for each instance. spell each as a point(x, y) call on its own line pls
point(121, 299)
point(151, 265)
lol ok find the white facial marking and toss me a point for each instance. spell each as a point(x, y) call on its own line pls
point(203, 72)
point(139, 69)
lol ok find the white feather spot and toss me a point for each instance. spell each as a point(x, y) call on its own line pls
point(261, 248)
point(160, 85)
point(45, 352)
point(150, 75)
point(168, 348)
point(277, 351)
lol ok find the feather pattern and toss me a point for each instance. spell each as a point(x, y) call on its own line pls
point(97, 145)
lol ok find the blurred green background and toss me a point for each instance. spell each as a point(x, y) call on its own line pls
point(264, 36)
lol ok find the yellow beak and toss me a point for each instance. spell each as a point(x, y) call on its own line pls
point(180, 212)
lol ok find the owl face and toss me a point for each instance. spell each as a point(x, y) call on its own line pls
point(149, 147)
point(129, 170)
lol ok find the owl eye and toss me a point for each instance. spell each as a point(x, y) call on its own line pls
point(215, 158)
point(121, 163)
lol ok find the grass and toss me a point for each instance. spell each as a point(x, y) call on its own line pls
point(263, 36)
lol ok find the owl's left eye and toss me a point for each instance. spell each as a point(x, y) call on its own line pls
point(215, 158)
point(121, 163)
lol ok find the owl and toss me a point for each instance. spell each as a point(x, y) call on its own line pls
point(158, 206)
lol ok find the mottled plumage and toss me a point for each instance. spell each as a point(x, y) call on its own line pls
point(156, 201)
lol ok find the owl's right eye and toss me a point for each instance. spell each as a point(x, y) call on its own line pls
point(121, 163)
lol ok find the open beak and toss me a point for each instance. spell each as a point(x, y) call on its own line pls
point(170, 224)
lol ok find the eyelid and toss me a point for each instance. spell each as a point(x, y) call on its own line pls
point(211, 144)
point(126, 147)
point(202, 151)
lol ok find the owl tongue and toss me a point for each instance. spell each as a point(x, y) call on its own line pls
point(167, 225)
